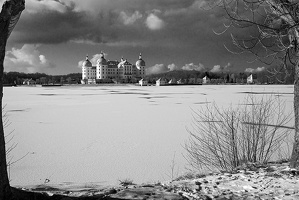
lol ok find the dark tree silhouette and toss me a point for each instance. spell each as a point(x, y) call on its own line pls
point(272, 35)
point(9, 16)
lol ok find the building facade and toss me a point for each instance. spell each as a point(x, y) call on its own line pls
point(117, 71)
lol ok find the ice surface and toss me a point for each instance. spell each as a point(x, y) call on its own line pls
point(108, 133)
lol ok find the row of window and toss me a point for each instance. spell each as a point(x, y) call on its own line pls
point(84, 70)
point(125, 72)
point(89, 74)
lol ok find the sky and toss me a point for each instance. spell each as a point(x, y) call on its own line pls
point(54, 36)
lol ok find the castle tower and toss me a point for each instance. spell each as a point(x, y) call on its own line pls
point(86, 66)
point(140, 65)
point(101, 71)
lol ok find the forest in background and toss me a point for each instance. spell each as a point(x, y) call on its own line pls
point(260, 77)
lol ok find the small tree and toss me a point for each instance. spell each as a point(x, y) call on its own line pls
point(225, 138)
point(273, 37)
point(9, 16)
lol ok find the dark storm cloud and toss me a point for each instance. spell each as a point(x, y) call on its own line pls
point(116, 22)
point(52, 27)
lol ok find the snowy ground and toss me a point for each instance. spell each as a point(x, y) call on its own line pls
point(108, 133)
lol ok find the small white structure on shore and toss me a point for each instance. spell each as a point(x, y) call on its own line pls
point(205, 80)
point(180, 82)
point(172, 82)
point(143, 82)
point(160, 82)
point(250, 79)
point(29, 82)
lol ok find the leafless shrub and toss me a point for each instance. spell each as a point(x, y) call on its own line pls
point(174, 170)
point(126, 182)
point(9, 142)
point(8, 136)
point(223, 139)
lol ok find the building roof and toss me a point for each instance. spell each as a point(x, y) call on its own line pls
point(127, 63)
point(123, 62)
point(140, 62)
point(102, 60)
point(112, 64)
point(87, 63)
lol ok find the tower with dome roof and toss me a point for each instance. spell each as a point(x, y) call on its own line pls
point(88, 72)
point(102, 67)
point(140, 65)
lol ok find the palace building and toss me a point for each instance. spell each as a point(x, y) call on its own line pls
point(119, 71)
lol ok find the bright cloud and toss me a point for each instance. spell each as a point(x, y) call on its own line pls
point(27, 59)
point(199, 4)
point(258, 69)
point(173, 67)
point(33, 6)
point(129, 20)
point(153, 22)
point(191, 66)
point(218, 68)
point(156, 69)
point(161, 68)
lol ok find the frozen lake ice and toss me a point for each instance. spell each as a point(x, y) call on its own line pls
point(103, 134)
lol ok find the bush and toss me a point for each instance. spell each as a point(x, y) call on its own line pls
point(223, 139)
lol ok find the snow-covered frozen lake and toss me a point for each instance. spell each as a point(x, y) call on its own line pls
point(109, 133)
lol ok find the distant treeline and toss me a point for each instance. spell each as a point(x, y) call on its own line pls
point(18, 78)
point(263, 77)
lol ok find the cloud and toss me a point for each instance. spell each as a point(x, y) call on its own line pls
point(185, 9)
point(218, 68)
point(258, 69)
point(127, 44)
point(176, 25)
point(115, 23)
point(173, 67)
point(199, 4)
point(27, 59)
point(153, 22)
point(161, 68)
point(129, 20)
point(52, 27)
point(156, 69)
point(33, 6)
point(191, 66)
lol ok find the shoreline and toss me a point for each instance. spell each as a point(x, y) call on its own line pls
point(251, 181)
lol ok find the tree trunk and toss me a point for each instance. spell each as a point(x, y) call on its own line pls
point(9, 16)
point(5, 191)
point(295, 154)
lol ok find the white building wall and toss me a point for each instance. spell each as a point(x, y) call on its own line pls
point(142, 71)
point(99, 71)
point(92, 73)
point(84, 73)
point(104, 72)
